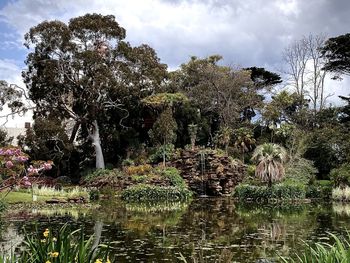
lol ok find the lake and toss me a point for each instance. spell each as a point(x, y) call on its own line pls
point(204, 230)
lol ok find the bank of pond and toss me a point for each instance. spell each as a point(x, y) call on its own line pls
point(196, 230)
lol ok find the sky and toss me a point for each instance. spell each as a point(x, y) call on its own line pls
point(245, 32)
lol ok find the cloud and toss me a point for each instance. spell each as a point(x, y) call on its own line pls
point(246, 33)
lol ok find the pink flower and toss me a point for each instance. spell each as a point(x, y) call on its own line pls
point(9, 164)
point(47, 166)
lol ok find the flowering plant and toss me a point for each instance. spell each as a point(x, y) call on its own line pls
point(13, 167)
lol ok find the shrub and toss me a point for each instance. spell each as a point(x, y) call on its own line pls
point(341, 176)
point(263, 193)
point(157, 156)
point(100, 173)
point(320, 189)
point(142, 192)
point(127, 162)
point(139, 169)
point(300, 170)
point(174, 176)
point(341, 194)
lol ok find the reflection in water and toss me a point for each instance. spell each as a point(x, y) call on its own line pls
point(206, 230)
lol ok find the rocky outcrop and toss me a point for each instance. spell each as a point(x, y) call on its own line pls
point(208, 172)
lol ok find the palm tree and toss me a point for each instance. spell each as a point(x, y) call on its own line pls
point(269, 158)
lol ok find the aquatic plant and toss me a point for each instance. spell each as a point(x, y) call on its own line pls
point(69, 193)
point(339, 252)
point(65, 246)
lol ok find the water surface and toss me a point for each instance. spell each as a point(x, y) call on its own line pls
point(207, 229)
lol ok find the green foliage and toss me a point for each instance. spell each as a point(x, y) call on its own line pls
point(174, 176)
point(142, 192)
point(161, 100)
point(102, 173)
point(300, 170)
point(336, 51)
point(127, 162)
point(341, 176)
point(3, 206)
point(338, 252)
point(167, 150)
point(319, 189)
point(281, 191)
point(63, 247)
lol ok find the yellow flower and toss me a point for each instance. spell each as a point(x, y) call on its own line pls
point(54, 254)
point(98, 260)
point(108, 261)
point(48, 261)
point(46, 233)
point(54, 239)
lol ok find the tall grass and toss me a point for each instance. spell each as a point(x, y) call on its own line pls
point(341, 194)
point(62, 247)
point(51, 191)
point(322, 252)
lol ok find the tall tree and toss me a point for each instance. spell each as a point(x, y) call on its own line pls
point(337, 52)
point(305, 69)
point(11, 96)
point(84, 71)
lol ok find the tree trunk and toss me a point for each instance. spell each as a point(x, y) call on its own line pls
point(95, 137)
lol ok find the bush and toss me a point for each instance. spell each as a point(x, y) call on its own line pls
point(341, 176)
point(264, 193)
point(320, 189)
point(157, 156)
point(144, 192)
point(174, 176)
point(102, 173)
point(139, 169)
point(300, 170)
point(127, 162)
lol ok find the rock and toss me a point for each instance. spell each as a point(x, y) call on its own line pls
point(56, 201)
point(64, 180)
point(218, 174)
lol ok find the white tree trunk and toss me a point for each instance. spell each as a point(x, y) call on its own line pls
point(95, 137)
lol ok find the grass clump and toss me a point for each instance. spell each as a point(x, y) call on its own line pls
point(339, 252)
point(341, 194)
point(143, 192)
point(52, 192)
point(65, 246)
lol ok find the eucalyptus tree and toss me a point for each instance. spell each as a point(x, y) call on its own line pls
point(84, 71)
point(11, 97)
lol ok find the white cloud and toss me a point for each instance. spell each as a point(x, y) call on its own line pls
point(248, 33)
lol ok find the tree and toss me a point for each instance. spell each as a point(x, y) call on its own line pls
point(305, 69)
point(11, 97)
point(269, 158)
point(336, 50)
point(83, 71)
point(164, 129)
